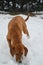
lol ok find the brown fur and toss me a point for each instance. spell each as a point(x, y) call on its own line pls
point(14, 37)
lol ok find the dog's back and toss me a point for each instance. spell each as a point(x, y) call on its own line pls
point(15, 27)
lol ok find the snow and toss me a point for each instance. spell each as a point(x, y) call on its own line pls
point(34, 43)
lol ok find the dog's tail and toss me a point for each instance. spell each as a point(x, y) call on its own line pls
point(27, 17)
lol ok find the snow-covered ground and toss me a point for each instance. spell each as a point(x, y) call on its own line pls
point(34, 43)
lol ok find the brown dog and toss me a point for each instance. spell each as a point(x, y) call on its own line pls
point(14, 37)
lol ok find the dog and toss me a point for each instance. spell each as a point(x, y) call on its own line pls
point(14, 37)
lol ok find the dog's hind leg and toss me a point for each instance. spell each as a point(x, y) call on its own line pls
point(25, 29)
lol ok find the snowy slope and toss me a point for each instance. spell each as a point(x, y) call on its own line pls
point(34, 44)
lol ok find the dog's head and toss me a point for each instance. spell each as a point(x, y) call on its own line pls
point(19, 51)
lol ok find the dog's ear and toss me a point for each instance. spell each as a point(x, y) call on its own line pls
point(12, 50)
point(26, 50)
